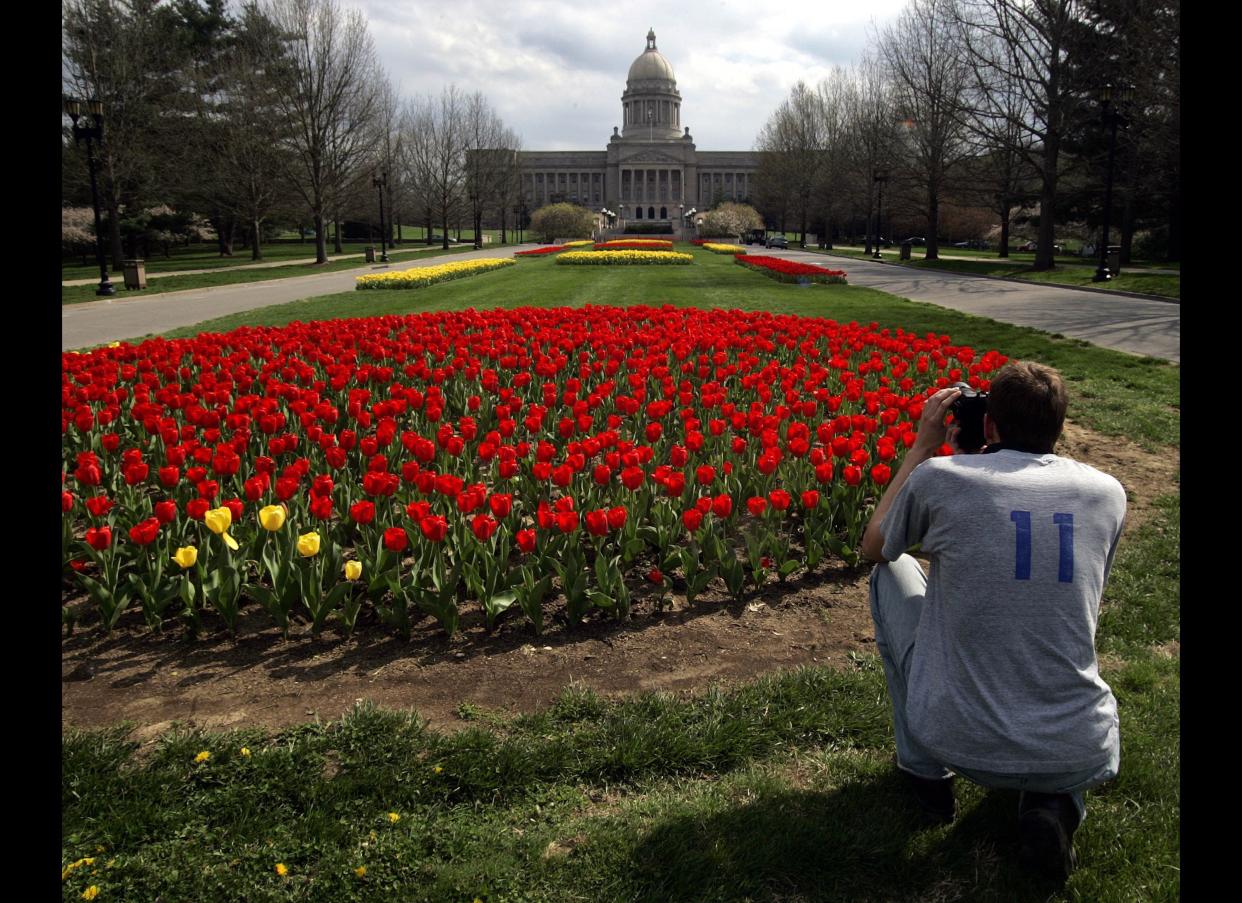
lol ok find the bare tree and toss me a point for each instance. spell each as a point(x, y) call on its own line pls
point(437, 148)
point(873, 120)
point(794, 144)
point(930, 77)
point(329, 101)
point(834, 101)
point(1027, 45)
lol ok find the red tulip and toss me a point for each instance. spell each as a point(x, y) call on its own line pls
point(362, 512)
point(705, 475)
point(852, 474)
point(395, 539)
point(597, 522)
point(196, 508)
point(526, 540)
point(881, 474)
point(501, 505)
point(722, 505)
point(321, 506)
point(66, 501)
point(780, 499)
point(98, 505)
point(567, 521)
point(434, 527)
point(617, 517)
point(166, 511)
point(810, 499)
point(483, 526)
point(693, 519)
point(99, 538)
point(757, 504)
point(145, 533)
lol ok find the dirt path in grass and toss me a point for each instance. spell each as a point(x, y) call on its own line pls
point(262, 679)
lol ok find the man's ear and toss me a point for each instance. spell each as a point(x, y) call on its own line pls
point(990, 435)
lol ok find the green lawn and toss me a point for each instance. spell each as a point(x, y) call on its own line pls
point(781, 788)
point(778, 789)
point(1076, 273)
point(77, 294)
point(203, 256)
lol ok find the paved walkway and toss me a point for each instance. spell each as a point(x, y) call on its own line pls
point(1093, 262)
point(1136, 325)
point(96, 322)
point(1124, 323)
point(266, 265)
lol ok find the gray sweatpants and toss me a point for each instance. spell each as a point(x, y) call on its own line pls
point(897, 592)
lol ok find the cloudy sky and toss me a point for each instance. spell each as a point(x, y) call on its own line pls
point(554, 71)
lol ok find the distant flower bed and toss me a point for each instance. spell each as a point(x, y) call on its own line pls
point(635, 244)
point(723, 249)
point(539, 252)
point(623, 258)
point(790, 271)
point(421, 277)
point(578, 244)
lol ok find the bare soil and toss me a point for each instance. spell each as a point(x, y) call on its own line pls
point(262, 679)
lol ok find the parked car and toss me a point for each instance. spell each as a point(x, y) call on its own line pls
point(777, 241)
point(917, 240)
point(974, 244)
point(1034, 245)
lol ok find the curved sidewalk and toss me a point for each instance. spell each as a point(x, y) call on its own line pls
point(1121, 322)
point(96, 322)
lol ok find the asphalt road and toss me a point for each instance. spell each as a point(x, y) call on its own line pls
point(96, 322)
point(1135, 325)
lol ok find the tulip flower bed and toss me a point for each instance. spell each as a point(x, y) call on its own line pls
point(539, 252)
point(635, 244)
point(790, 271)
point(407, 464)
point(420, 277)
point(716, 248)
point(624, 258)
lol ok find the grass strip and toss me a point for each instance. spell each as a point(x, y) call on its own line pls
point(1114, 393)
point(77, 294)
point(781, 787)
point(1162, 284)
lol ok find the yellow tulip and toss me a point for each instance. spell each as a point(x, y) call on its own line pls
point(353, 570)
point(187, 557)
point(272, 517)
point(218, 521)
point(308, 544)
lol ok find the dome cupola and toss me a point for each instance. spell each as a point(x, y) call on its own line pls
point(651, 105)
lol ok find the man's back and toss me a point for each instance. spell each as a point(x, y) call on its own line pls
point(1003, 677)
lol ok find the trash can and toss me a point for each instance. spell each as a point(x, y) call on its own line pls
point(1114, 259)
point(135, 273)
point(370, 254)
point(905, 250)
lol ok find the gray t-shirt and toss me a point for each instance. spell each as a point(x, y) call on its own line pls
point(1004, 676)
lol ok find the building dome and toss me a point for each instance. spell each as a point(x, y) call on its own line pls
point(650, 65)
point(651, 104)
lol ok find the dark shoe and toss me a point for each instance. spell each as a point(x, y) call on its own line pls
point(935, 797)
point(1046, 826)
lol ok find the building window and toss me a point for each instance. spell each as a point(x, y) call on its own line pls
point(638, 213)
point(650, 213)
point(663, 213)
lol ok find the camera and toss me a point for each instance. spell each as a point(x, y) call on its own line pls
point(968, 411)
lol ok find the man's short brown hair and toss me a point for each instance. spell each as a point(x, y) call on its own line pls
point(1027, 403)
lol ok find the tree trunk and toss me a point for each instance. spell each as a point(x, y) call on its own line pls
point(933, 222)
point(428, 228)
point(256, 233)
point(1127, 209)
point(445, 226)
point(1004, 238)
point(321, 239)
point(337, 248)
point(114, 236)
point(397, 216)
point(1047, 206)
point(502, 224)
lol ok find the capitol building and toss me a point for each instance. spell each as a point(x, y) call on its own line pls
point(651, 171)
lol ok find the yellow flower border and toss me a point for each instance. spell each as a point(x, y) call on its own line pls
point(420, 277)
point(623, 258)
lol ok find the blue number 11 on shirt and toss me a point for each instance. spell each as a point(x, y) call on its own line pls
point(1022, 549)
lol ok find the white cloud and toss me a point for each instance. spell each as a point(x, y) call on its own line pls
point(555, 71)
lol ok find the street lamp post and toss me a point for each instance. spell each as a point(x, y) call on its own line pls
point(379, 182)
point(1112, 118)
point(881, 176)
point(92, 134)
